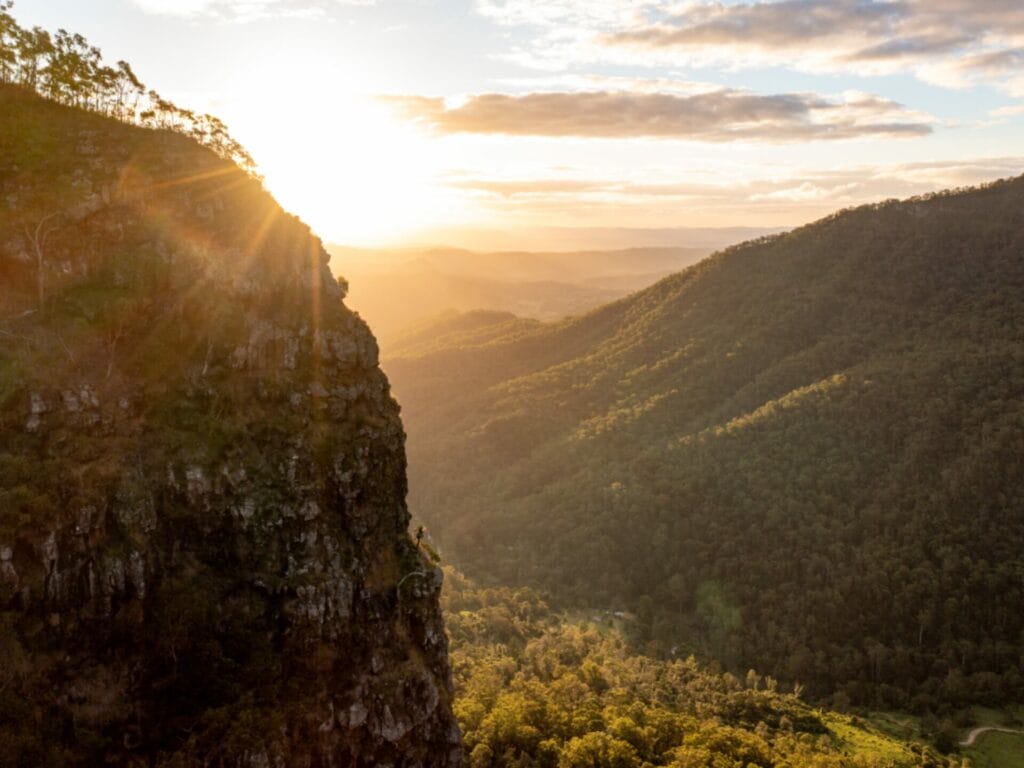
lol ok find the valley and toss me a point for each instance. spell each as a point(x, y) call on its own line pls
point(541, 384)
point(799, 454)
point(398, 291)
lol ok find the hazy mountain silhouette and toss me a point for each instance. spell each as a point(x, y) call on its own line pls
point(393, 290)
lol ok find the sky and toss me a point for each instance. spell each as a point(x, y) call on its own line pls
point(387, 122)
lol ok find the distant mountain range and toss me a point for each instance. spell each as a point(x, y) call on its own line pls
point(567, 239)
point(394, 290)
point(802, 454)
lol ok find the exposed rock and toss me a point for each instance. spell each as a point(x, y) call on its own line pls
point(214, 471)
point(38, 404)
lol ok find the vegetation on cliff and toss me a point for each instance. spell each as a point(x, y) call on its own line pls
point(203, 547)
point(65, 68)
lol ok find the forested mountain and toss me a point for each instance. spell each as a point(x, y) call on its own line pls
point(802, 454)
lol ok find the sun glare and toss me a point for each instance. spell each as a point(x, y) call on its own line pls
point(340, 161)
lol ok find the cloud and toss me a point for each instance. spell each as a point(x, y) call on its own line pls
point(769, 26)
point(601, 82)
point(791, 197)
point(532, 187)
point(1010, 111)
point(805, 191)
point(995, 62)
point(908, 48)
point(946, 42)
point(541, 13)
point(245, 10)
point(175, 8)
point(719, 116)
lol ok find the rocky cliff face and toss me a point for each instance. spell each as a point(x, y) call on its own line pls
point(203, 546)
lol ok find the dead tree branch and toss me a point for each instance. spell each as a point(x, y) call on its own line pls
point(38, 239)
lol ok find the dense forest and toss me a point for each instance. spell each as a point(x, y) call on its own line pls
point(801, 455)
point(535, 688)
point(64, 67)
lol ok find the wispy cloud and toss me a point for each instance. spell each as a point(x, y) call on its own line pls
point(245, 10)
point(870, 182)
point(1010, 111)
point(175, 8)
point(540, 13)
point(795, 196)
point(718, 116)
point(947, 42)
point(768, 26)
point(567, 81)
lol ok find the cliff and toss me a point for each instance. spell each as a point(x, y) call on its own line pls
point(204, 555)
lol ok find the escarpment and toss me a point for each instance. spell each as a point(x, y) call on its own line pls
point(204, 555)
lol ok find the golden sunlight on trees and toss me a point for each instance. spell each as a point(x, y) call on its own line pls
point(63, 67)
point(536, 688)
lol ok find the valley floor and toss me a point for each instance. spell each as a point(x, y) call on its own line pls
point(538, 687)
point(974, 734)
point(997, 741)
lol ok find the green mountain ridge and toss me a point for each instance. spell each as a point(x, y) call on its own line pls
point(801, 454)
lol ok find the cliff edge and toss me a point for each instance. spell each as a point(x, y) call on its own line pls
point(204, 555)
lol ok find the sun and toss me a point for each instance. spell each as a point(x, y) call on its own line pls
point(341, 161)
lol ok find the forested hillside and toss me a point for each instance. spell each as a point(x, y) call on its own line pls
point(802, 454)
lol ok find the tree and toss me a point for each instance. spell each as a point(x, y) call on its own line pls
point(72, 73)
point(129, 90)
point(8, 43)
point(598, 750)
point(65, 68)
point(33, 47)
point(37, 237)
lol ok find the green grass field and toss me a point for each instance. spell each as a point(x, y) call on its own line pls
point(863, 738)
point(995, 749)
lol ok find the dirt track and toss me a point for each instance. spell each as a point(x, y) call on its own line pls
point(973, 735)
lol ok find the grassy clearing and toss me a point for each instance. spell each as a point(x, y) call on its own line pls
point(867, 738)
point(994, 749)
point(997, 750)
